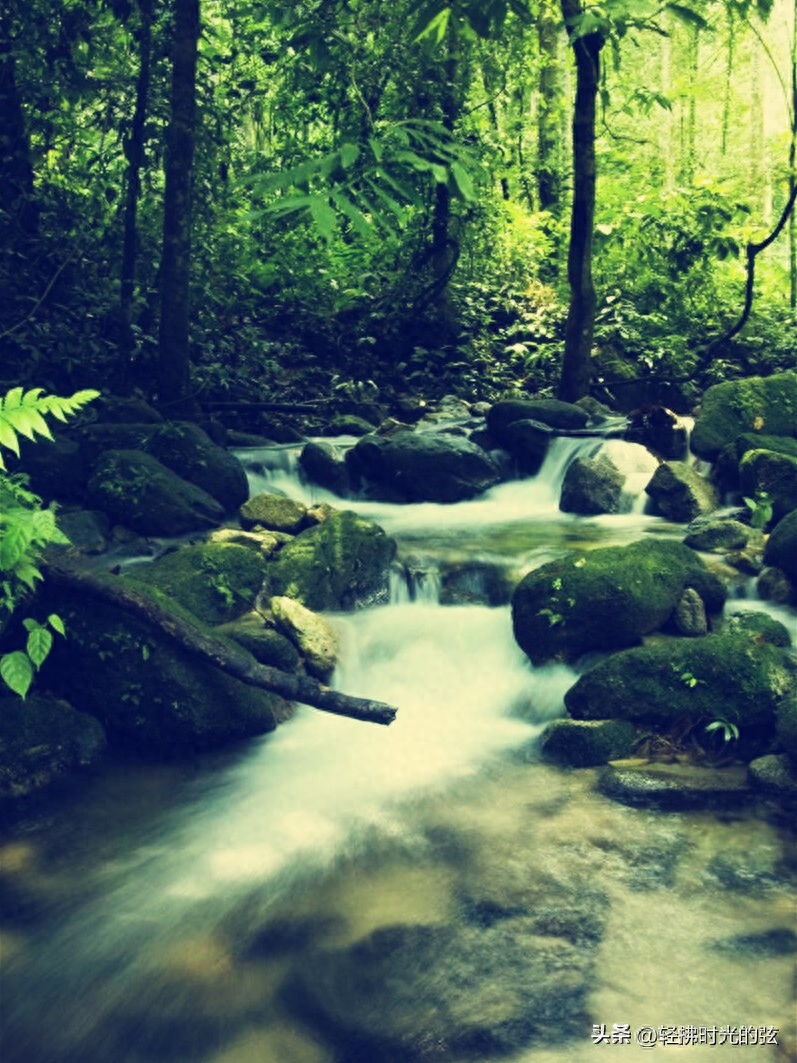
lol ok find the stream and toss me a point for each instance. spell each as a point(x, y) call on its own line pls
point(337, 892)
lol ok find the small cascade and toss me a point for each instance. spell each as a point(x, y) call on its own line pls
point(415, 580)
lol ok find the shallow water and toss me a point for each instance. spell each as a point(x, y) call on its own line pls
point(170, 913)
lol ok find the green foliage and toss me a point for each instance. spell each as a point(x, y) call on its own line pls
point(760, 509)
point(26, 528)
point(728, 730)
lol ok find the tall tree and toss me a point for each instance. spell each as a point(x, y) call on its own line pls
point(576, 370)
point(173, 336)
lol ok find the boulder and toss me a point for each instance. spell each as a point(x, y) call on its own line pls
point(408, 993)
point(781, 548)
point(776, 774)
point(765, 472)
point(715, 534)
point(322, 464)
point(56, 468)
point(274, 513)
point(607, 599)
point(348, 424)
point(191, 454)
point(87, 530)
point(759, 626)
point(786, 728)
point(674, 787)
point(563, 416)
point(680, 493)
point(266, 644)
point(152, 697)
point(733, 676)
point(342, 563)
point(690, 617)
point(587, 743)
point(773, 585)
point(95, 439)
point(411, 467)
point(217, 582)
point(592, 486)
point(114, 409)
point(313, 636)
point(43, 740)
point(737, 407)
point(761, 441)
point(527, 443)
point(658, 428)
point(136, 490)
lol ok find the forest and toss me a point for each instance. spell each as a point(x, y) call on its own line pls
point(255, 202)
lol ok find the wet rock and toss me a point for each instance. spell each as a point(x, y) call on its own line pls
point(690, 614)
point(527, 443)
point(658, 428)
point(411, 467)
point(680, 493)
point(781, 548)
point(554, 414)
point(263, 542)
point(217, 582)
point(264, 643)
point(606, 599)
point(761, 627)
point(674, 786)
point(592, 486)
point(587, 743)
point(786, 727)
point(475, 583)
point(87, 530)
point(736, 407)
point(340, 564)
point(57, 469)
point(322, 464)
point(725, 676)
point(410, 993)
point(115, 409)
point(779, 941)
point(150, 696)
point(190, 453)
point(136, 490)
point(348, 424)
point(774, 774)
point(715, 534)
point(773, 585)
point(43, 740)
point(313, 636)
point(760, 441)
point(763, 472)
point(274, 513)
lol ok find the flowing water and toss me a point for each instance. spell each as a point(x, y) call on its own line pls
point(264, 904)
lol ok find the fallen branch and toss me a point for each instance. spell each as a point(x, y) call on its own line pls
point(231, 659)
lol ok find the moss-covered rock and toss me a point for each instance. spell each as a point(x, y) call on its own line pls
point(405, 466)
point(348, 424)
point(773, 585)
point(781, 548)
point(587, 743)
point(737, 407)
point(151, 696)
point(592, 486)
point(765, 472)
point(760, 626)
point(42, 740)
point(322, 464)
point(339, 564)
point(606, 599)
point(680, 493)
point(774, 774)
point(716, 534)
point(761, 441)
point(730, 676)
point(217, 582)
point(136, 490)
point(787, 724)
point(86, 529)
point(191, 454)
point(274, 513)
point(265, 643)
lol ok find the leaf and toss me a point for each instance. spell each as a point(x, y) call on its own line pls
point(14, 543)
point(436, 27)
point(463, 181)
point(349, 153)
point(324, 216)
point(56, 623)
point(687, 15)
point(16, 670)
point(39, 644)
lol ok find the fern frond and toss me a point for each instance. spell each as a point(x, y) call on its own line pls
point(22, 413)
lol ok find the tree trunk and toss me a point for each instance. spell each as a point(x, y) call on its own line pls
point(134, 150)
point(549, 178)
point(173, 357)
point(230, 659)
point(18, 211)
point(576, 366)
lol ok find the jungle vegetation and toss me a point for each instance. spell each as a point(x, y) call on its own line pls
point(212, 199)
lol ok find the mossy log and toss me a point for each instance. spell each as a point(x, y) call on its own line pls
point(235, 662)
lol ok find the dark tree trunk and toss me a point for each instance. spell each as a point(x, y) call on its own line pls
point(576, 366)
point(443, 251)
point(134, 151)
point(173, 359)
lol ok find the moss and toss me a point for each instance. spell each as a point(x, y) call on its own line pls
point(607, 598)
point(781, 548)
point(264, 643)
point(587, 743)
point(217, 582)
point(150, 695)
point(765, 472)
point(755, 441)
point(731, 675)
point(339, 564)
point(787, 724)
point(736, 407)
point(760, 626)
point(191, 454)
point(273, 512)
